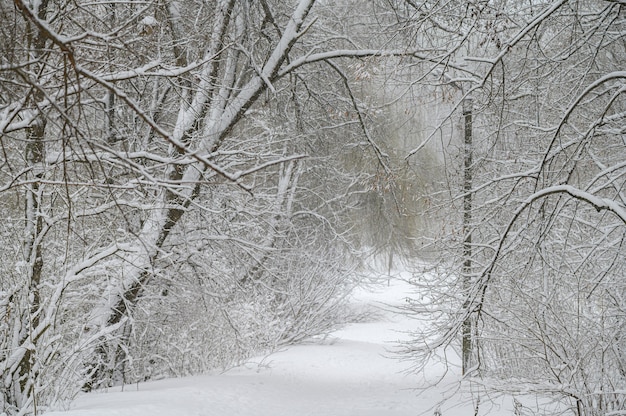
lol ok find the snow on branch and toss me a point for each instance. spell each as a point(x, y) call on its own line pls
point(147, 70)
point(597, 202)
point(72, 275)
point(521, 34)
point(351, 53)
point(600, 81)
point(241, 174)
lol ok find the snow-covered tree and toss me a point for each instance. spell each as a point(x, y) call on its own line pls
point(544, 299)
point(174, 185)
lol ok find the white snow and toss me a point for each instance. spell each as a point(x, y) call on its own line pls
point(149, 21)
point(351, 372)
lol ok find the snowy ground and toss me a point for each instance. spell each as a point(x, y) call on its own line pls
point(348, 373)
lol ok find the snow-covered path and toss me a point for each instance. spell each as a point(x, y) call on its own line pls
point(348, 373)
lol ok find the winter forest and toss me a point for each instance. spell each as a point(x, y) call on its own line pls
point(186, 183)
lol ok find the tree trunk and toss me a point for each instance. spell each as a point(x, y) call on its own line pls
point(468, 327)
point(26, 372)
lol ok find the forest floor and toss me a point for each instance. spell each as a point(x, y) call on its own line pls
point(352, 371)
